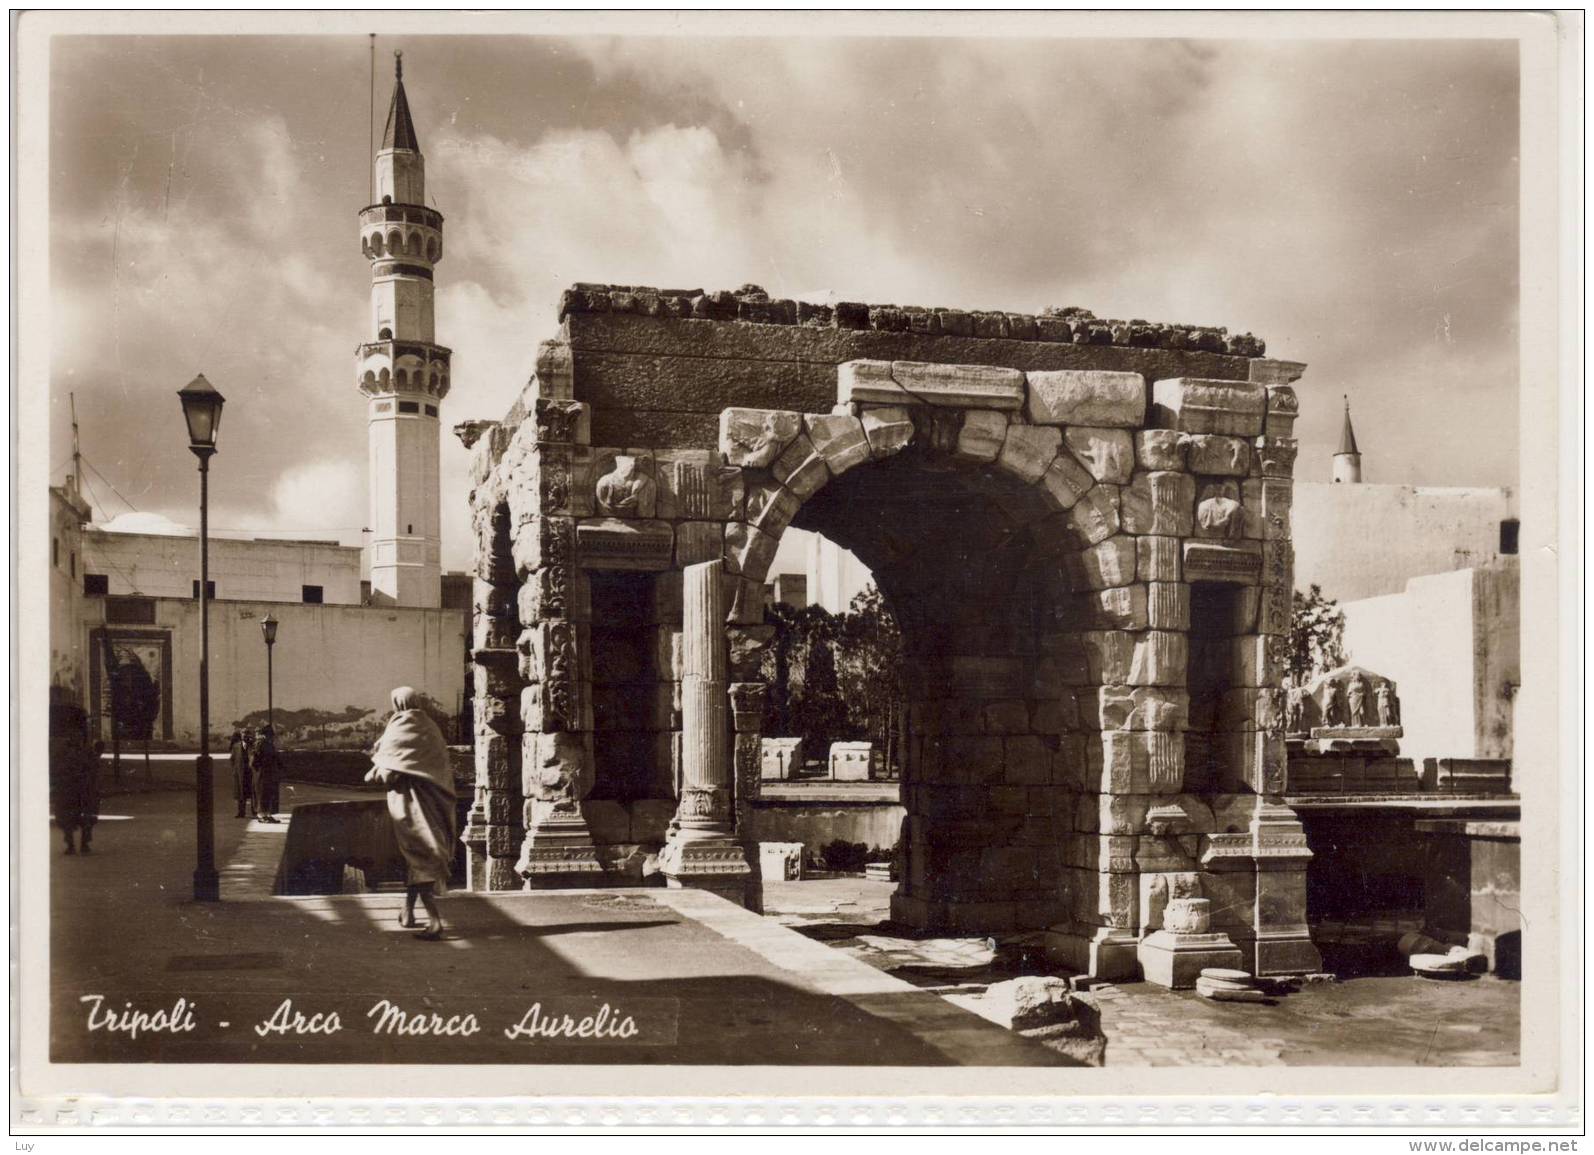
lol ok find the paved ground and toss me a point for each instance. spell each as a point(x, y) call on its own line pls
point(702, 981)
point(1372, 1020)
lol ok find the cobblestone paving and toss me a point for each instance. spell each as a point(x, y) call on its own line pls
point(1380, 1019)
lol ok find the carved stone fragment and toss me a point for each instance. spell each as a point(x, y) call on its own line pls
point(1218, 513)
point(1238, 562)
point(617, 543)
point(627, 490)
point(754, 438)
point(1109, 454)
point(1216, 455)
point(1275, 456)
point(697, 541)
point(1161, 503)
point(1160, 449)
point(1157, 559)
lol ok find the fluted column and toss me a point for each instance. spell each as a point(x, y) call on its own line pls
point(702, 851)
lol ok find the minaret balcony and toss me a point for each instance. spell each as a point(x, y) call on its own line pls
point(391, 214)
point(400, 240)
point(394, 366)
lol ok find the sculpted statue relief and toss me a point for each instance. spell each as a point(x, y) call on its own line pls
point(1218, 513)
point(1334, 705)
point(626, 491)
point(1347, 698)
point(1388, 705)
point(1356, 699)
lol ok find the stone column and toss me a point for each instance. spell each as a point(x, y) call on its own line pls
point(702, 851)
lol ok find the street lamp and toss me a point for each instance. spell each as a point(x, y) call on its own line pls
point(268, 630)
point(202, 413)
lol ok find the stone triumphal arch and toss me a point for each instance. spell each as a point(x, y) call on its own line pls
point(1082, 527)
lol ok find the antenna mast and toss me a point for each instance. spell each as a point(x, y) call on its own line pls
point(370, 133)
point(77, 457)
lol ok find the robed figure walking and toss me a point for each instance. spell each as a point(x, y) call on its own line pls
point(411, 760)
point(74, 775)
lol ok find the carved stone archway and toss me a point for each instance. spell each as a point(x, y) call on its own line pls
point(1093, 570)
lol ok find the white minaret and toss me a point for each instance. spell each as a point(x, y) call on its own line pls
point(402, 370)
point(1348, 461)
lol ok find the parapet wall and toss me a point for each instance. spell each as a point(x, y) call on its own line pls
point(657, 367)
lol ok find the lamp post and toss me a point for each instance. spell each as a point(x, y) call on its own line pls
point(202, 413)
point(268, 630)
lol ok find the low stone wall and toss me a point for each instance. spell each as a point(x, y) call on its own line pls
point(816, 815)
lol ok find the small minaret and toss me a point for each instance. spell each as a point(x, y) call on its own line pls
point(1348, 460)
point(401, 369)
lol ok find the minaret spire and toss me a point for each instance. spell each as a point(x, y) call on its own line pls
point(400, 131)
point(402, 370)
point(1348, 459)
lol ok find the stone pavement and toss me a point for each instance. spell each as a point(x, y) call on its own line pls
point(1372, 1020)
point(702, 981)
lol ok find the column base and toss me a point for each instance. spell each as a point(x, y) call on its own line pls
point(1176, 959)
point(559, 855)
point(1281, 951)
point(714, 864)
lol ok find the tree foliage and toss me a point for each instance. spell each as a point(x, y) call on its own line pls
point(835, 677)
point(1317, 633)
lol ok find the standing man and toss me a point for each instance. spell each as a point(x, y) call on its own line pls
point(267, 767)
point(242, 785)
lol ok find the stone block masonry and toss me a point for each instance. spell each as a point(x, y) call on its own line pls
point(1082, 527)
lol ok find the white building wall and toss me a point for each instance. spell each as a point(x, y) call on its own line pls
point(166, 565)
point(1451, 643)
point(334, 667)
point(1361, 541)
point(835, 576)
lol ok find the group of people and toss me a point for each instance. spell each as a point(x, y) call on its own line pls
point(410, 760)
point(256, 773)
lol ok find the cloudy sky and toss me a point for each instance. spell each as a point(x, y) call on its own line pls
point(1353, 202)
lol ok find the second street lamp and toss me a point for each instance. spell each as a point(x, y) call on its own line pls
point(268, 630)
point(202, 413)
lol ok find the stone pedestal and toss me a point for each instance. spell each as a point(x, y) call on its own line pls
point(702, 851)
point(1283, 943)
point(1176, 955)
